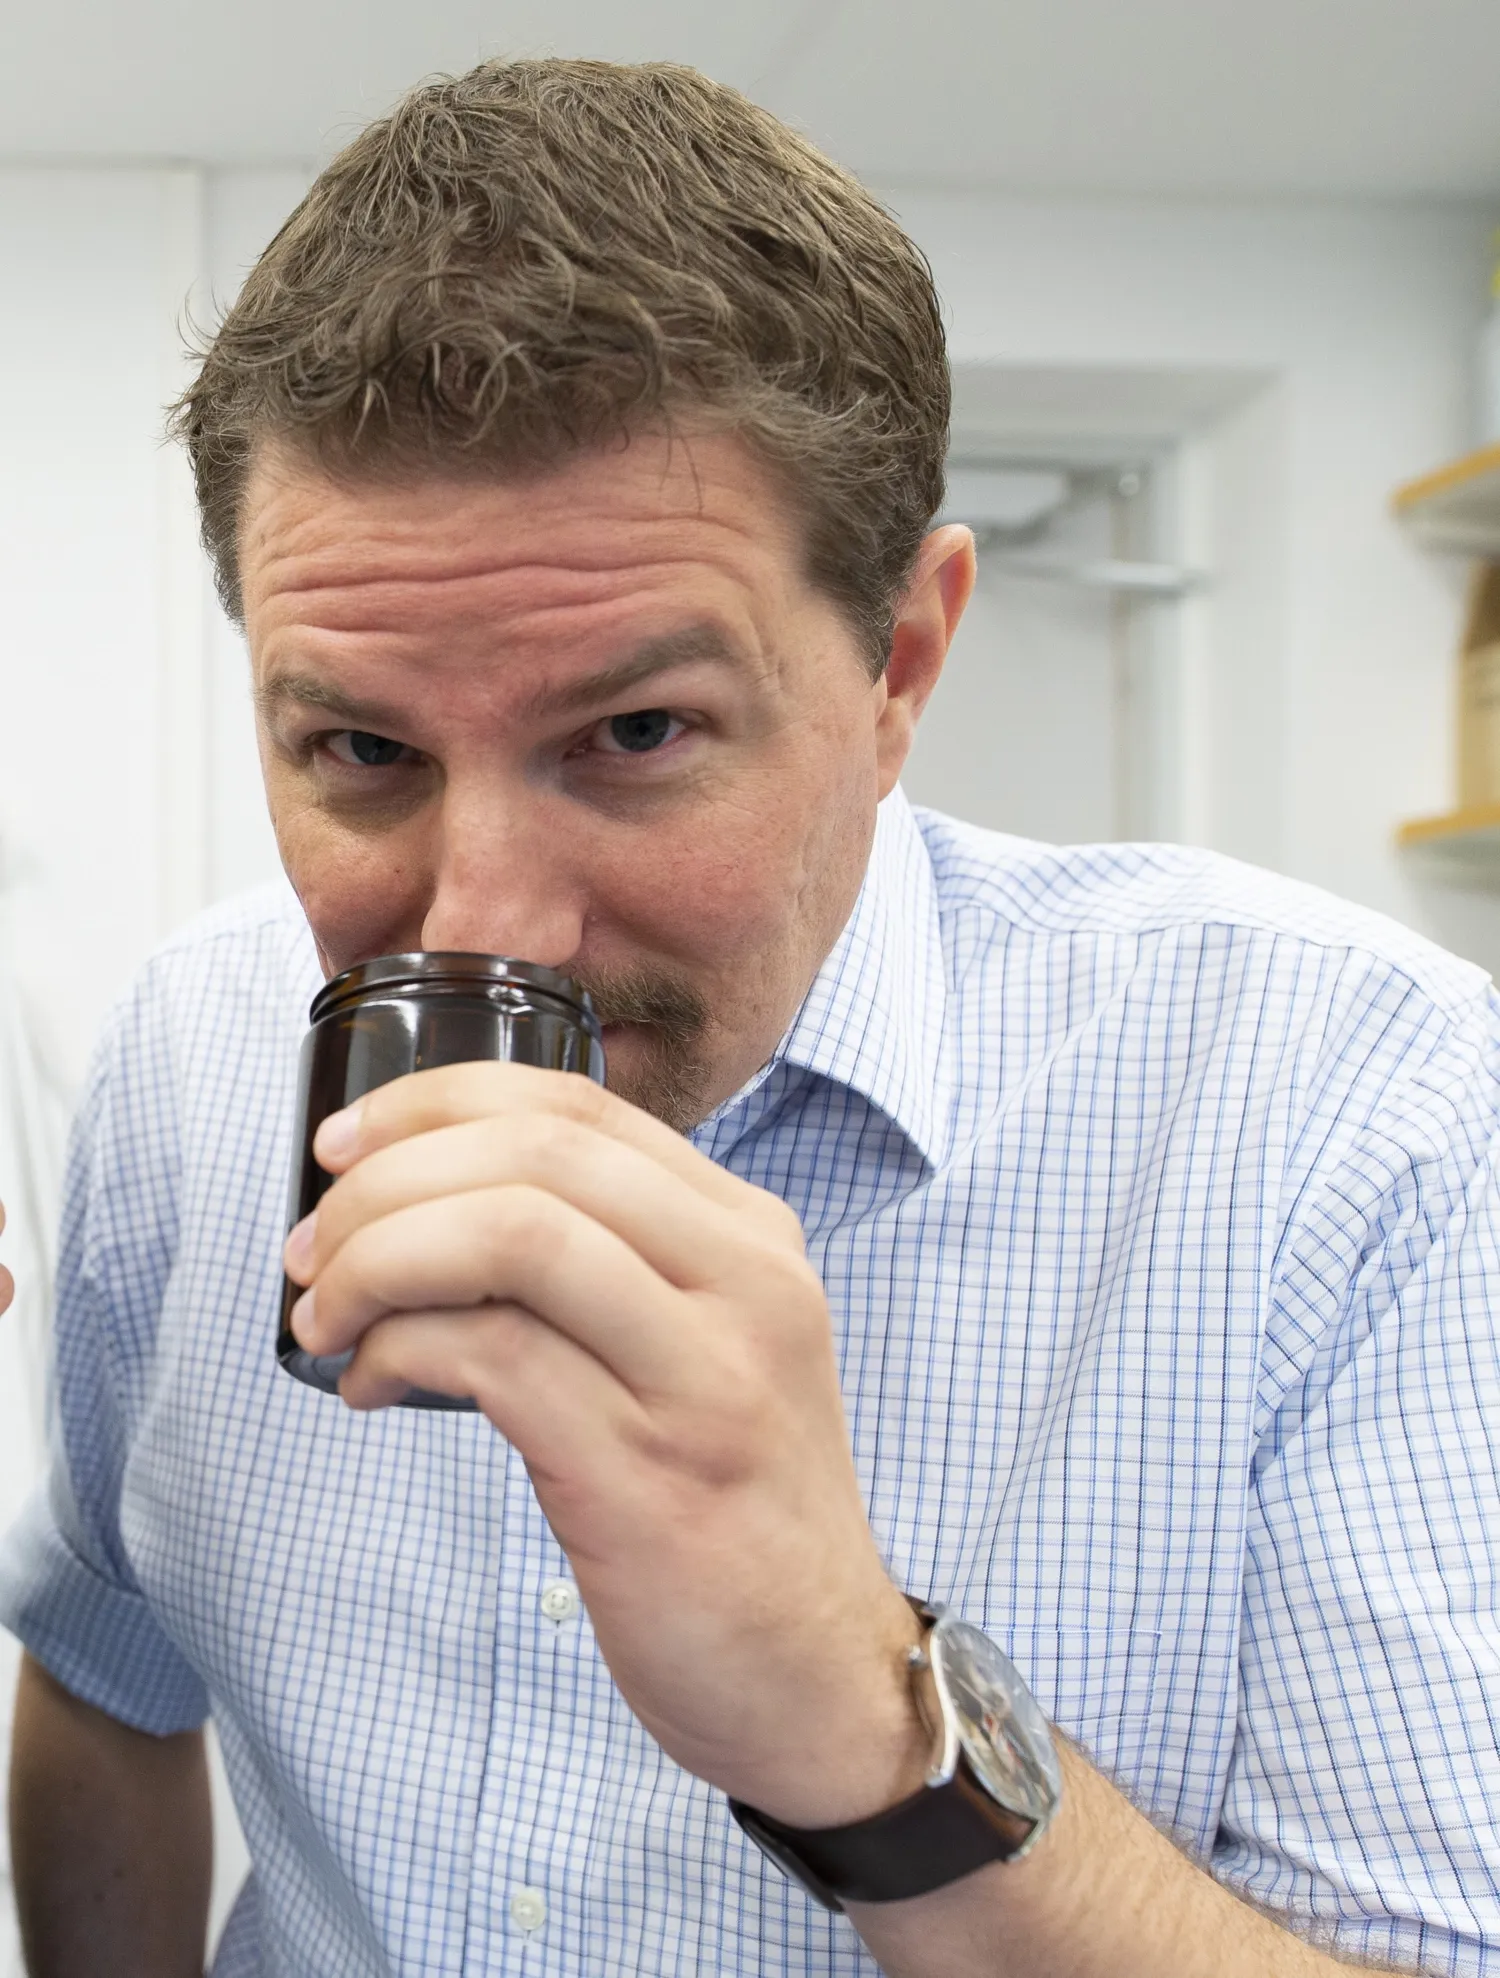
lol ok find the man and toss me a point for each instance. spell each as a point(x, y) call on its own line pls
point(1096, 1244)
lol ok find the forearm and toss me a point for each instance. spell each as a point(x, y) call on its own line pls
point(111, 1840)
point(1103, 1895)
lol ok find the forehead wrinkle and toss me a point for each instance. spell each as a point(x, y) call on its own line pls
point(302, 556)
point(520, 604)
point(355, 570)
point(297, 574)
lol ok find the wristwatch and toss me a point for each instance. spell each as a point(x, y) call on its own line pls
point(992, 1790)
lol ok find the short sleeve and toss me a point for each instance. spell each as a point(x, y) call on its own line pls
point(66, 1587)
point(1364, 1787)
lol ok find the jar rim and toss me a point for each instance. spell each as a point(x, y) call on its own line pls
point(444, 967)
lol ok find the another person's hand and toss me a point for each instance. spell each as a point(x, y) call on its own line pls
point(646, 1330)
point(7, 1282)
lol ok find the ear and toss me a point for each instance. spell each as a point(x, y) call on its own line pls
point(927, 616)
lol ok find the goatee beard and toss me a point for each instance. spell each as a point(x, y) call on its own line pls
point(669, 1018)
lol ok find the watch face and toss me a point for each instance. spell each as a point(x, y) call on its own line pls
point(1005, 1737)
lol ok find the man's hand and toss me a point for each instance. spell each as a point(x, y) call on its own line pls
point(646, 1330)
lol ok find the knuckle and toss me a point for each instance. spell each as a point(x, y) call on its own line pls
point(342, 1210)
point(350, 1277)
point(328, 1235)
point(498, 1336)
point(555, 1140)
point(785, 1280)
point(386, 1111)
point(379, 1345)
point(524, 1225)
point(792, 1319)
point(496, 1343)
point(579, 1099)
point(489, 1143)
point(767, 1216)
point(489, 1080)
point(783, 1221)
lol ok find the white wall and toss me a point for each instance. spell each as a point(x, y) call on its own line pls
point(128, 793)
point(1021, 734)
point(128, 790)
point(1319, 667)
point(93, 273)
point(243, 210)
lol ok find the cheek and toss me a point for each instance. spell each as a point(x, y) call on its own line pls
point(686, 892)
point(362, 896)
point(747, 884)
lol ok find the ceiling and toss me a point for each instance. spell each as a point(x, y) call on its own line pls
point(1385, 98)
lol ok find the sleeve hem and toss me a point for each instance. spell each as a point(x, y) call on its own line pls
point(100, 1641)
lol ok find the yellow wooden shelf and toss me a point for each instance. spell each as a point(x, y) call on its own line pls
point(1457, 507)
point(1467, 840)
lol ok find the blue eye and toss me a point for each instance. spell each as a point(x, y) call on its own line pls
point(642, 731)
point(357, 745)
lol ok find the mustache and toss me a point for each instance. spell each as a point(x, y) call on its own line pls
point(642, 996)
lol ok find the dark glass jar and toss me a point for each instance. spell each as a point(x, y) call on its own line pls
point(405, 1013)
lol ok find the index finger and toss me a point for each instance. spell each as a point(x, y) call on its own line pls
point(449, 1095)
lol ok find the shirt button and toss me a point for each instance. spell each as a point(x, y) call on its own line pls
point(528, 1909)
point(559, 1600)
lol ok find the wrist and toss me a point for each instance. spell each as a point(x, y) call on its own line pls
point(989, 1795)
point(870, 1744)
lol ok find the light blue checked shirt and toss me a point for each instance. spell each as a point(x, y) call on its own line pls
point(1155, 1199)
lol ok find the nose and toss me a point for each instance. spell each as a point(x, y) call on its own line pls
point(506, 883)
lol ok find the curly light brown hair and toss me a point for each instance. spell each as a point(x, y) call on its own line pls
point(541, 257)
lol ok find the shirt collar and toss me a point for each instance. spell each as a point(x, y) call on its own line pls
point(873, 1019)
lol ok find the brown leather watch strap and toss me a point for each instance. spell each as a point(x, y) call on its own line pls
point(937, 1836)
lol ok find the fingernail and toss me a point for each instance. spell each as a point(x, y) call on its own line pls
point(298, 1253)
point(303, 1318)
point(338, 1136)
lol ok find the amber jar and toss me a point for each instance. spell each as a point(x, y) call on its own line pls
point(404, 1013)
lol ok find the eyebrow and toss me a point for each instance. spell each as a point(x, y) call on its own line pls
point(696, 643)
point(701, 643)
point(307, 690)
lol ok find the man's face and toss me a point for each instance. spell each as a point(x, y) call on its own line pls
point(597, 720)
